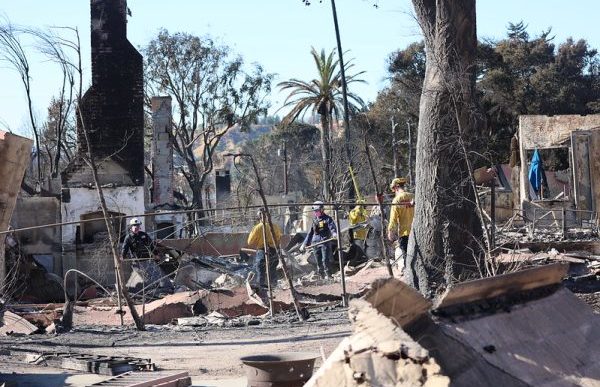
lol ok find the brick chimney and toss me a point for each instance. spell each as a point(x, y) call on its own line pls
point(112, 107)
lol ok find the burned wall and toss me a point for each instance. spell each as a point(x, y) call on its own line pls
point(538, 131)
point(93, 258)
point(581, 135)
point(43, 244)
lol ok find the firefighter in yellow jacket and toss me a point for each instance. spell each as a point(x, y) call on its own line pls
point(256, 241)
point(359, 215)
point(401, 217)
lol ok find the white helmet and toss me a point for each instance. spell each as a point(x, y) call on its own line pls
point(318, 205)
point(135, 222)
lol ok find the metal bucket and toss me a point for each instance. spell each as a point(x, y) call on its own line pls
point(288, 369)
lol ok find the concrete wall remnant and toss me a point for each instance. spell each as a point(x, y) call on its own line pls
point(540, 131)
point(581, 135)
point(84, 201)
point(41, 243)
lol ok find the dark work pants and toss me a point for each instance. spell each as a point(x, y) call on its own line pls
point(261, 270)
point(404, 244)
point(323, 257)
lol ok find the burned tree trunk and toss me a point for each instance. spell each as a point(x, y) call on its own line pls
point(445, 228)
point(326, 154)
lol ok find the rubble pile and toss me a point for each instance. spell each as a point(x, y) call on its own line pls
point(378, 353)
point(500, 331)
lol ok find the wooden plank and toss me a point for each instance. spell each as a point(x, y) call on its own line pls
point(397, 301)
point(580, 151)
point(146, 379)
point(551, 341)
point(503, 284)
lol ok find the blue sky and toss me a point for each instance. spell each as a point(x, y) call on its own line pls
point(278, 34)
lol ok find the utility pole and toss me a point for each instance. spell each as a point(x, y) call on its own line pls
point(395, 149)
point(344, 93)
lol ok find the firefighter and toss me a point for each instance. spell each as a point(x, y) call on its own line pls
point(256, 241)
point(401, 217)
point(137, 244)
point(140, 249)
point(359, 215)
point(322, 229)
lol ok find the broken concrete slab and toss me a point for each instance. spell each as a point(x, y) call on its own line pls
point(15, 324)
point(194, 277)
point(169, 308)
point(162, 311)
point(197, 321)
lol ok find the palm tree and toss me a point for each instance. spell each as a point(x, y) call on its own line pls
point(322, 96)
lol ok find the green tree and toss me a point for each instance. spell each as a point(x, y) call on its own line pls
point(523, 75)
point(323, 96)
point(212, 93)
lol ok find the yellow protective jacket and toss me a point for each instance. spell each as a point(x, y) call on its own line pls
point(255, 239)
point(358, 215)
point(401, 217)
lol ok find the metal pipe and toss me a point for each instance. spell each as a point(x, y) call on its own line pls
point(493, 215)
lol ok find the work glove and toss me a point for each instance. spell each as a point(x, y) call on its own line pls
point(302, 248)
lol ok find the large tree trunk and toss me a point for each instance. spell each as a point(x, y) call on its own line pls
point(445, 228)
point(326, 157)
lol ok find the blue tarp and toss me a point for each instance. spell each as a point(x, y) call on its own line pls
point(537, 176)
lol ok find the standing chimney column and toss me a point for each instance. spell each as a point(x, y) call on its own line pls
point(162, 151)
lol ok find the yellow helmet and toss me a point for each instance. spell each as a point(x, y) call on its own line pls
point(397, 181)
